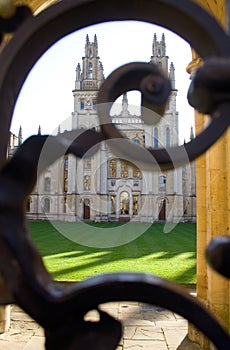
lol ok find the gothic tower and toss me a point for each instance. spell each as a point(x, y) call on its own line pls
point(160, 58)
point(89, 78)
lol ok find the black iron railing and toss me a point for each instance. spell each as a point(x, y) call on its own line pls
point(26, 279)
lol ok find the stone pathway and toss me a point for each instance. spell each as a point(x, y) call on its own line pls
point(145, 327)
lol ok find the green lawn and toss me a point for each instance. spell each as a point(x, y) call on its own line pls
point(170, 255)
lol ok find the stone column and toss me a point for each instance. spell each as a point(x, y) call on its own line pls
point(212, 188)
point(4, 318)
point(4, 309)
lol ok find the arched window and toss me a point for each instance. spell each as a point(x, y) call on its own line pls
point(155, 143)
point(94, 101)
point(136, 171)
point(113, 168)
point(47, 205)
point(162, 183)
point(82, 104)
point(90, 71)
point(65, 175)
point(124, 169)
point(124, 203)
point(137, 141)
point(64, 205)
point(113, 204)
point(135, 204)
point(47, 184)
point(167, 143)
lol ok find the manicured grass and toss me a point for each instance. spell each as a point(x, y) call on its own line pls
point(170, 255)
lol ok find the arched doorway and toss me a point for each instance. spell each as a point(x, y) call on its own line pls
point(162, 210)
point(46, 205)
point(124, 206)
point(86, 209)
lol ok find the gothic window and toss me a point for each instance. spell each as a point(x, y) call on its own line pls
point(124, 169)
point(138, 142)
point(94, 104)
point(47, 205)
point(82, 104)
point(113, 168)
point(135, 204)
point(113, 204)
point(136, 171)
point(167, 137)
point(66, 163)
point(87, 183)
point(162, 183)
point(65, 175)
point(90, 71)
point(64, 205)
point(124, 203)
point(47, 184)
point(155, 143)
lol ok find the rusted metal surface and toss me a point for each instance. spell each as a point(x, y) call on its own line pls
point(61, 309)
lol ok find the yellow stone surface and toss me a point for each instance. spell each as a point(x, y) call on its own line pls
point(213, 203)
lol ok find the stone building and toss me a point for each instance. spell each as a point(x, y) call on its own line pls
point(107, 188)
point(212, 188)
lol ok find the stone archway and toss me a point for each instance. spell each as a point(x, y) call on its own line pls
point(124, 203)
point(124, 206)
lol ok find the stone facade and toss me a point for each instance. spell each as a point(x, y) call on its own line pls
point(105, 187)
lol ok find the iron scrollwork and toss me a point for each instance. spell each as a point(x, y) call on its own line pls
point(25, 276)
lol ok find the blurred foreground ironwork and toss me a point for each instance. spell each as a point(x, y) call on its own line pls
point(61, 309)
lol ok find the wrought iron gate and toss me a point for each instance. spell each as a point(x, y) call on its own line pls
point(61, 309)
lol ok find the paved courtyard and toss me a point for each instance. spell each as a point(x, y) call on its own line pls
point(145, 327)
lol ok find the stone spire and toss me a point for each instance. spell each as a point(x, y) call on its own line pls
point(172, 75)
point(20, 136)
point(191, 133)
point(39, 130)
point(125, 112)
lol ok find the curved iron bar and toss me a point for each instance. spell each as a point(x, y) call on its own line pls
point(48, 299)
point(133, 77)
point(11, 24)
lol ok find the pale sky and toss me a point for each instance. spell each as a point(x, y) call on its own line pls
point(46, 98)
